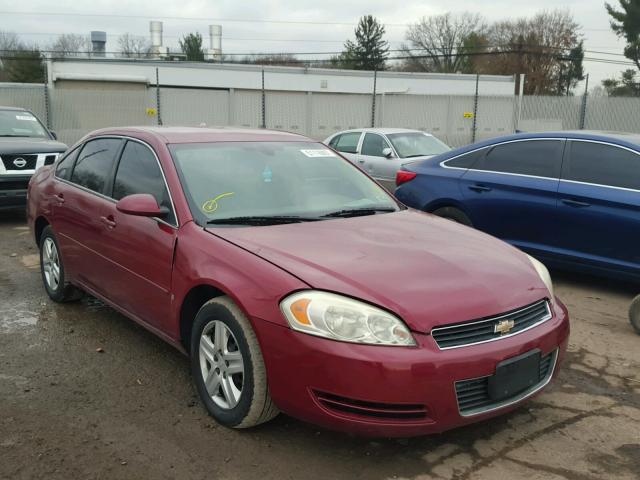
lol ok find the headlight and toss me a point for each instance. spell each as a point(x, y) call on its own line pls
point(544, 274)
point(341, 318)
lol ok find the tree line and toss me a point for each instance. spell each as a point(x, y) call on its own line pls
point(547, 47)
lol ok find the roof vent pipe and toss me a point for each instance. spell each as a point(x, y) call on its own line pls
point(215, 43)
point(98, 42)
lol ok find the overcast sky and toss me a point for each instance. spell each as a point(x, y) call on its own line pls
point(250, 37)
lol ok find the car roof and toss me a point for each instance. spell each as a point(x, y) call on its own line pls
point(15, 109)
point(203, 134)
point(631, 140)
point(382, 130)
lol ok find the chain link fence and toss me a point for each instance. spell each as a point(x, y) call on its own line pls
point(76, 108)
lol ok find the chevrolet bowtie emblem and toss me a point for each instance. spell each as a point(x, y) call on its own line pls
point(503, 326)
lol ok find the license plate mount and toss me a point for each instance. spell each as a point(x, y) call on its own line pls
point(515, 375)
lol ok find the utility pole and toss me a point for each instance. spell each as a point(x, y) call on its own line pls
point(583, 108)
point(373, 104)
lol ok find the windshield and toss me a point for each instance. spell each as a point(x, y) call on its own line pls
point(293, 181)
point(18, 123)
point(416, 144)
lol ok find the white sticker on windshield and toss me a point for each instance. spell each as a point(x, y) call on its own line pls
point(26, 117)
point(323, 152)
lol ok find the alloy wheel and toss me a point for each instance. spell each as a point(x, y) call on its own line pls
point(51, 264)
point(221, 364)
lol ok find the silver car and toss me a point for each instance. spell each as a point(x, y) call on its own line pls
point(382, 151)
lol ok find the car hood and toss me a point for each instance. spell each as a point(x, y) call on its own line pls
point(428, 270)
point(14, 145)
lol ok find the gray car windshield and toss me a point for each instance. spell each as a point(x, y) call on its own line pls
point(416, 144)
point(18, 123)
point(255, 182)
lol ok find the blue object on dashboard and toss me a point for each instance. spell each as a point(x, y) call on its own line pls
point(572, 199)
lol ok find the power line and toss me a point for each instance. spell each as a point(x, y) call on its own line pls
point(212, 19)
point(199, 19)
point(397, 57)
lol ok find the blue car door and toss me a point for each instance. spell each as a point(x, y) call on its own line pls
point(511, 191)
point(599, 206)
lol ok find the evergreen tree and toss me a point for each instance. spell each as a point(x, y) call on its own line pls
point(626, 24)
point(369, 51)
point(191, 46)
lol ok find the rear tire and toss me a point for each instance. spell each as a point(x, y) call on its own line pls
point(634, 314)
point(227, 366)
point(454, 214)
point(52, 270)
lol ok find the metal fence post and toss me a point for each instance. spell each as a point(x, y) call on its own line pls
point(583, 107)
point(47, 100)
point(231, 118)
point(309, 115)
point(264, 101)
point(373, 103)
point(158, 111)
point(475, 111)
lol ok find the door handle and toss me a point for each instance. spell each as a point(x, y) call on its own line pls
point(479, 188)
point(360, 161)
point(575, 203)
point(59, 198)
point(108, 222)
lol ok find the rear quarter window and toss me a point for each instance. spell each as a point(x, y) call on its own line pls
point(466, 160)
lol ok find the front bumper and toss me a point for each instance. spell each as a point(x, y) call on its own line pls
point(13, 191)
point(391, 391)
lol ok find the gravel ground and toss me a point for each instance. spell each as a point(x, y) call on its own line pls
point(87, 394)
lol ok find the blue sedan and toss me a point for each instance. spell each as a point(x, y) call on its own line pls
point(571, 199)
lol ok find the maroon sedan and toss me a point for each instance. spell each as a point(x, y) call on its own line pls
point(296, 283)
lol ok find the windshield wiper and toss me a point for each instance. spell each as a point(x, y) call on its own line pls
point(418, 155)
point(261, 220)
point(14, 135)
point(358, 212)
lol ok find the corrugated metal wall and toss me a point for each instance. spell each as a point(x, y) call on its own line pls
point(78, 109)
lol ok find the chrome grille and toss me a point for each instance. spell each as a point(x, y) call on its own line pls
point(486, 330)
point(473, 395)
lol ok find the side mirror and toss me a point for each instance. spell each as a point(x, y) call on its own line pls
point(141, 205)
point(387, 152)
point(53, 134)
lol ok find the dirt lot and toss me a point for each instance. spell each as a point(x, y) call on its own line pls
point(69, 411)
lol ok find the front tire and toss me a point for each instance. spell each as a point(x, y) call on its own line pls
point(52, 270)
point(454, 214)
point(227, 366)
point(634, 314)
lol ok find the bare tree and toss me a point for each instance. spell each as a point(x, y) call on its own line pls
point(71, 45)
point(132, 46)
point(436, 42)
point(538, 47)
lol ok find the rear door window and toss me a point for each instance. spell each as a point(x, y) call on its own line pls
point(540, 158)
point(95, 162)
point(602, 164)
point(348, 142)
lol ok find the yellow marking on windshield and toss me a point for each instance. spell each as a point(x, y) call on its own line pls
point(211, 205)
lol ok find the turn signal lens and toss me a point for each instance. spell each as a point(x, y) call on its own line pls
point(402, 176)
point(341, 318)
point(299, 311)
